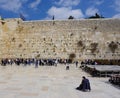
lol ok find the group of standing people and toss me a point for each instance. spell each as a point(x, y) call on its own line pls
point(89, 62)
point(28, 61)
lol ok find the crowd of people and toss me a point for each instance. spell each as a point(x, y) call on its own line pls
point(84, 86)
point(34, 61)
point(89, 62)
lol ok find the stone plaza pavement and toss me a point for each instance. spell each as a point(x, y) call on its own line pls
point(51, 82)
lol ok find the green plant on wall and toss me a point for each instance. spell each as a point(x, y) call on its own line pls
point(93, 47)
point(72, 56)
point(1, 18)
point(37, 56)
point(113, 46)
point(20, 45)
point(13, 39)
point(80, 45)
point(3, 22)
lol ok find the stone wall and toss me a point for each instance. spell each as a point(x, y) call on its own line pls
point(93, 39)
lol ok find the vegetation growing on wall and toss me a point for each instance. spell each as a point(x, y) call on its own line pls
point(38, 56)
point(93, 47)
point(20, 45)
point(113, 46)
point(3, 22)
point(13, 39)
point(80, 45)
point(95, 28)
point(72, 56)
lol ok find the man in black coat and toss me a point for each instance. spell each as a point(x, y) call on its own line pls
point(85, 85)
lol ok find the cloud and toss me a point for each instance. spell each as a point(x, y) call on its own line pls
point(67, 3)
point(35, 4)
point(97, 2)
point(91, 11)
point(117, 5)
point(12, 5)
point(64, 12)
point(116, 16)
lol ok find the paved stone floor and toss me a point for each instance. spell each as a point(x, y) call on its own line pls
point(51, 82)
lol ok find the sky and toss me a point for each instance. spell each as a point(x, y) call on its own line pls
point(60, 9)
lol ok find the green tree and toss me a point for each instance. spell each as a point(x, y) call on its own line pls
point(96, 16)
point(71, 17)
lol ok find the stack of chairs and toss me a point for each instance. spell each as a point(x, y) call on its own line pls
point(115, 79)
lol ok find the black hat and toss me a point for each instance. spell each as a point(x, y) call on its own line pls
point(83, 77)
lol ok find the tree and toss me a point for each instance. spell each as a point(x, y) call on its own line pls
point(22, 17)
point(70, 17)
point(96, 16)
